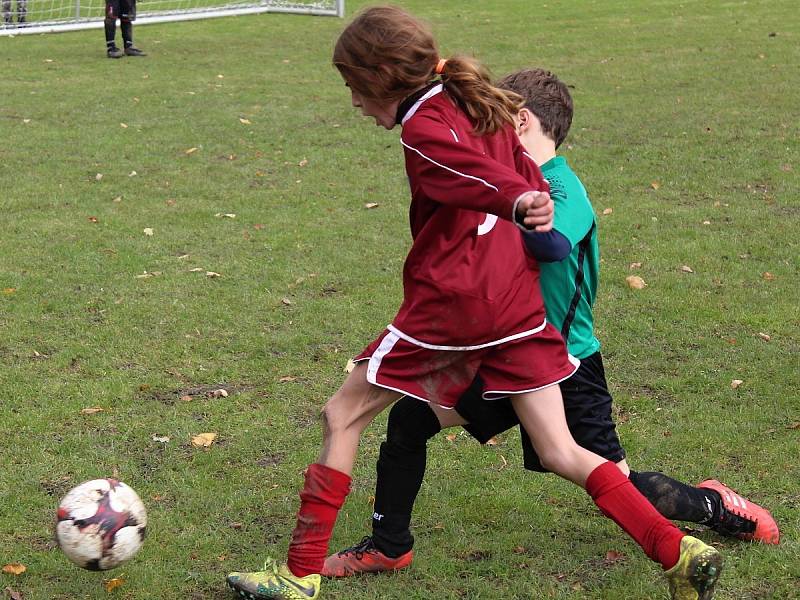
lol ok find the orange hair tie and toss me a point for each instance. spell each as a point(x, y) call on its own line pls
point(440, 66)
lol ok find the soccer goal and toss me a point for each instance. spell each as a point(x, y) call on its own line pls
point(40, 16)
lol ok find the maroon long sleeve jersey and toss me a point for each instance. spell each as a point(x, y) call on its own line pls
point(467, 281)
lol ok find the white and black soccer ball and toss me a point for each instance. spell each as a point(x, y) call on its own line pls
point(101, 524)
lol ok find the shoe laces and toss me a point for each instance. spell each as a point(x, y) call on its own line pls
point(732, 522)
point(363, 547)
point(270, 566)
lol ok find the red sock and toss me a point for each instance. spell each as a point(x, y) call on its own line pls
point(619, 500)
point(323, 494)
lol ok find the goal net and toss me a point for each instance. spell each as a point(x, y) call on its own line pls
point(39, 16)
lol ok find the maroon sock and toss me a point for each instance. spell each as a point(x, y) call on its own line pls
point(619, 500)
point(323, 494)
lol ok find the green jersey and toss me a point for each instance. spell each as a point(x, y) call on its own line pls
point(569, 286)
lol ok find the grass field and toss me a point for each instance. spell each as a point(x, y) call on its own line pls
point(686, 128)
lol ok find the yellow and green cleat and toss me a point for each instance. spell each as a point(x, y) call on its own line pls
point(695, 575)
point(274, 582)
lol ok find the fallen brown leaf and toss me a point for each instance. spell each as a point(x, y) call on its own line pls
point(767, 276)
point(91, 410)
point(191, 150)
point(635, 282)
point(371, 205)
point(608, 211)
point(13, 594)
point(735, 383)
point(348, 368)
point(286, 301)
point(203, 440)
point(244, 121)
point(687, 269)
point(492, 441)
point(186, 398)
point(795, 425)
point(613, 556)
point(220, 393)
point(764, 336)
point(302, 163)
point(450, 437)
point(112, 584)
point(635, 265)
point(14, 569)
point(655, 185)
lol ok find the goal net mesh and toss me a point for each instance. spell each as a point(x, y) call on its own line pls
point(37, 16)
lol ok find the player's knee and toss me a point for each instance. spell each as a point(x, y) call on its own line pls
point(557, 459)
point(344, 412)
point(411, 423)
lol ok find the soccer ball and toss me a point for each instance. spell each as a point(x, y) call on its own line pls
point(100, 524)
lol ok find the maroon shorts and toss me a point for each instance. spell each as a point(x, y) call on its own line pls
point(442, 376)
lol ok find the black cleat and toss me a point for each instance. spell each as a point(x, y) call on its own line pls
point(132, 51)
point(114, 52)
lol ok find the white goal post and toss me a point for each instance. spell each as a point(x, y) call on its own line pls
point(42, 16)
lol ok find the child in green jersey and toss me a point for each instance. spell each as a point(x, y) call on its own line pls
point(569, 289)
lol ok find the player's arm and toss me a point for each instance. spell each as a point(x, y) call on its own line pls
point(453, 173)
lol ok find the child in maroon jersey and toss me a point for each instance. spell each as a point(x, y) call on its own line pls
point(471, 305)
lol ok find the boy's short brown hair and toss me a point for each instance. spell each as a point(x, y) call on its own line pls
point(546, 96)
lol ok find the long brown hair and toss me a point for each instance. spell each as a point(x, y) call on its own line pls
point(386, 54)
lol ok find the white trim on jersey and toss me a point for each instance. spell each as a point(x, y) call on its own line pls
point(497, 394)
point(430, 93)
point(422, 344)
point(446, 168)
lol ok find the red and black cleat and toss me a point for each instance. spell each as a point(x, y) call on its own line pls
point(364, 557)
point(741, 518)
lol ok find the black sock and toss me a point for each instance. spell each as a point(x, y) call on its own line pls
point(401, 467)
point(678, 501)
point(111, 33)
point(127, 32)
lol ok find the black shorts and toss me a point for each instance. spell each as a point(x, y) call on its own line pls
point(587, 404)
point(121, 9)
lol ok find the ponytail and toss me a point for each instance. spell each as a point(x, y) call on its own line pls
point(470, 84)
point(387, 54)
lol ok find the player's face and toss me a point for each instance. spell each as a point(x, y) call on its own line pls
point(384, 113)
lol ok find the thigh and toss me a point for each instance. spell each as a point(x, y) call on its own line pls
point(357, 401)
point(588, 407)
point(128, 8)
point(113, 9)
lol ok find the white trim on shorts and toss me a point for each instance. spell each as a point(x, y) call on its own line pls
point(498, 394)
point(394, 330)
point(386, 345)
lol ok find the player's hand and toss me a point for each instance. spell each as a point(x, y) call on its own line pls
point(535, 210)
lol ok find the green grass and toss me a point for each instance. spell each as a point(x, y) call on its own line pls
point(698, 100)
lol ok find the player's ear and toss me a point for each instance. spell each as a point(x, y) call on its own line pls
point(523, 120)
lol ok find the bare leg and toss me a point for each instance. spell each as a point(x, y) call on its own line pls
point(542, 415)
point(346, 414)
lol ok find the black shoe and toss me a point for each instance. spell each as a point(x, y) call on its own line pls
point(131, 51)
point(115, 52)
